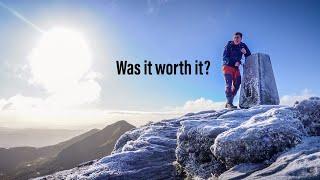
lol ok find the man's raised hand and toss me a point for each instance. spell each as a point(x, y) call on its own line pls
point(243, 50)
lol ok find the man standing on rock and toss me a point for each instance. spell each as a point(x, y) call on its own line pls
point(232, 56)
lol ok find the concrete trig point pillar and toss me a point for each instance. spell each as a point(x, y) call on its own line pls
point(258, 83)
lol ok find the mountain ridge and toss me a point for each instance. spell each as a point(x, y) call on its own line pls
point(47, 159)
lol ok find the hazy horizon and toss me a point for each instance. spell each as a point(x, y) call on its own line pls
point(10, 138)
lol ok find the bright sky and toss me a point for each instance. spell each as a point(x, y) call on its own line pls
point(43, 85)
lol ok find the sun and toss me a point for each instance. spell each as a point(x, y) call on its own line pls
point(61, 58)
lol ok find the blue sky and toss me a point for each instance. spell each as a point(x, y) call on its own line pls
point(164, 31)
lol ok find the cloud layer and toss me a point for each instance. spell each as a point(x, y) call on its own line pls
point(20, 111)
point(292, 98)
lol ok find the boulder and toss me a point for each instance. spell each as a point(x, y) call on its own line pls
point(300, 162)
point(196, 136)
point(193, 156)
point(309, 114)
point(241, 171)
point(259, 138)
point(258, 82)
point(193, 151)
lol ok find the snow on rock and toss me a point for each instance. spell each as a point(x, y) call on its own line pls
point(266, 141)
point(309, 114)
point(259, 138)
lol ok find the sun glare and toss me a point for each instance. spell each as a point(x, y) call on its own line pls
point(62, 57)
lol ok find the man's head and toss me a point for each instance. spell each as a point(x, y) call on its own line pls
point(237, 37)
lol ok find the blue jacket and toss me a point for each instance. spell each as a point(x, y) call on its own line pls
point(232, 53)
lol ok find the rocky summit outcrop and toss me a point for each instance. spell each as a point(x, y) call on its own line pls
point(259, 138)
point(309, 114)
point(267, 142)
point(300, 162)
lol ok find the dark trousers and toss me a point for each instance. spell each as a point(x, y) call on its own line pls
point(232, 80)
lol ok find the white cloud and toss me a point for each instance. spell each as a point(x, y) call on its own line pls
point(3, 102)
point(26, 112)
point(21, 111)
point(292, 98)
point(200, 104)
point(82, 93)
point(141, 117)
point(20, 102)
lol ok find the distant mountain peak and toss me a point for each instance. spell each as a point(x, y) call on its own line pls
point(27, 162)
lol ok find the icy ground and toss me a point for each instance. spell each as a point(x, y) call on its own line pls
point(267, 142)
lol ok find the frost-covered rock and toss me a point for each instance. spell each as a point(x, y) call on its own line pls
point(193, 151)
point(241, 171)
point(301, 162)
point(258, 83)
point(196, 136)
point(309, 114)
point(259, 138)
point(266, 141)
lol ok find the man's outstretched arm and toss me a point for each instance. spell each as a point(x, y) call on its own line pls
point(248, 51)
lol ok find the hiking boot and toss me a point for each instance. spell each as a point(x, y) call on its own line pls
point(230, 106)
